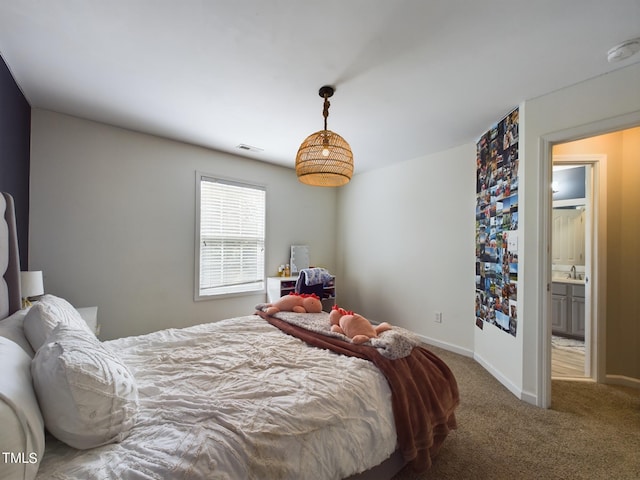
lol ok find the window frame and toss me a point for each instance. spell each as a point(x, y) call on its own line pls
point(259, 287)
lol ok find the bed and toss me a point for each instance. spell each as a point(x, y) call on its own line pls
point(252, 397)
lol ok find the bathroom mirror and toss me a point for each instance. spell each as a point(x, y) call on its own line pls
point(299, 258)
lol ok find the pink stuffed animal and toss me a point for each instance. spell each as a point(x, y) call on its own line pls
point(354, 326)
point(296, 302)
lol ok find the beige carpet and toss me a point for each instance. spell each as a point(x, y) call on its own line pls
point(592, 431)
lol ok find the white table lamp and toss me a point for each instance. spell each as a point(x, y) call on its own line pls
point(31, 285)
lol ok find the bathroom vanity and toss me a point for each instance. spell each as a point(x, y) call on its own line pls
point(568, 314)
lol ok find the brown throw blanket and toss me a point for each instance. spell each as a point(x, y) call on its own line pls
point(424, 392)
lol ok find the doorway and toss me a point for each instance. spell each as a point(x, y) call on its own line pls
point(616, 140)
point(573, 216)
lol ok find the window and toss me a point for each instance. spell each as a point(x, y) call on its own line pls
point(230, 235)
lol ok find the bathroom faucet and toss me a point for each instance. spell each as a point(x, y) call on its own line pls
point(573, 272)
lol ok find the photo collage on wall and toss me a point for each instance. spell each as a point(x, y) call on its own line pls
point(497, 226)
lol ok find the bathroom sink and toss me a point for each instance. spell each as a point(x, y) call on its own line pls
point(564, 279)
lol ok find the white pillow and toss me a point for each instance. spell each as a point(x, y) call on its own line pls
point(21, 424)
point(45, 315)
point(87, 396)
point(12, 328)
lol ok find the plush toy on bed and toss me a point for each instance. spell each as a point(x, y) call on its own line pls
point(296, 302)
point(354, 326)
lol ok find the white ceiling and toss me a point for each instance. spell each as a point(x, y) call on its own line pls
point(412, 77)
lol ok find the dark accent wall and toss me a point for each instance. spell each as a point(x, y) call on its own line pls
point(15, 140)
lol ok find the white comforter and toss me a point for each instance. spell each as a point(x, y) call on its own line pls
point(238, 399)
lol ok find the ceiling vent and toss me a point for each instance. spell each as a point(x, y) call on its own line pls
point(249, 148)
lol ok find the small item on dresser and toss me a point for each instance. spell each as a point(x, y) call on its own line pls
point(313, 280)
point(287, 270)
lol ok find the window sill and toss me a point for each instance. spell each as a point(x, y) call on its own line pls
point(232, 291)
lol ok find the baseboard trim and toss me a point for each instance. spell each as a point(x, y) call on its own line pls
point(447, 346)
point(622, 380)
point(527, 397)
point(498, 376)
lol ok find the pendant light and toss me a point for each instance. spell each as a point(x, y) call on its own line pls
point(324, 159)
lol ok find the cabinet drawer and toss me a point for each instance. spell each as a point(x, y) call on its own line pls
point(559, 288)
point(577, 290)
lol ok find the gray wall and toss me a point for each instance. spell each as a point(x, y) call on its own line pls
point(407, 245)
point(113, 222)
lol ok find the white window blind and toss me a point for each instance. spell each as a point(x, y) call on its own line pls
point(231, 237)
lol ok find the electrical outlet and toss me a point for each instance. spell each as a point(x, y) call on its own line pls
point(438, 318)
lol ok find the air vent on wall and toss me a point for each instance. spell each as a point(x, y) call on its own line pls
point(249, 148)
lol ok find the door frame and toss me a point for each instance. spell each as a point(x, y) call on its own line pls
point(595, 165)
point(598, 269)
point(545, 144)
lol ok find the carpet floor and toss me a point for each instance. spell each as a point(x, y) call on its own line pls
point(591, 431)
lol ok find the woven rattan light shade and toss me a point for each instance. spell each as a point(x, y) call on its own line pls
point(332, 170)
point(324, 159)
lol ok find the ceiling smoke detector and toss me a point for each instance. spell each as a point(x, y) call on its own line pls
point(624, 50)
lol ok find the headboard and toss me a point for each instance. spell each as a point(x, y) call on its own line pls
point(9, 258)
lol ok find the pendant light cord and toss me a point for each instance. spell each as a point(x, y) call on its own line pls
point(325, 111)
